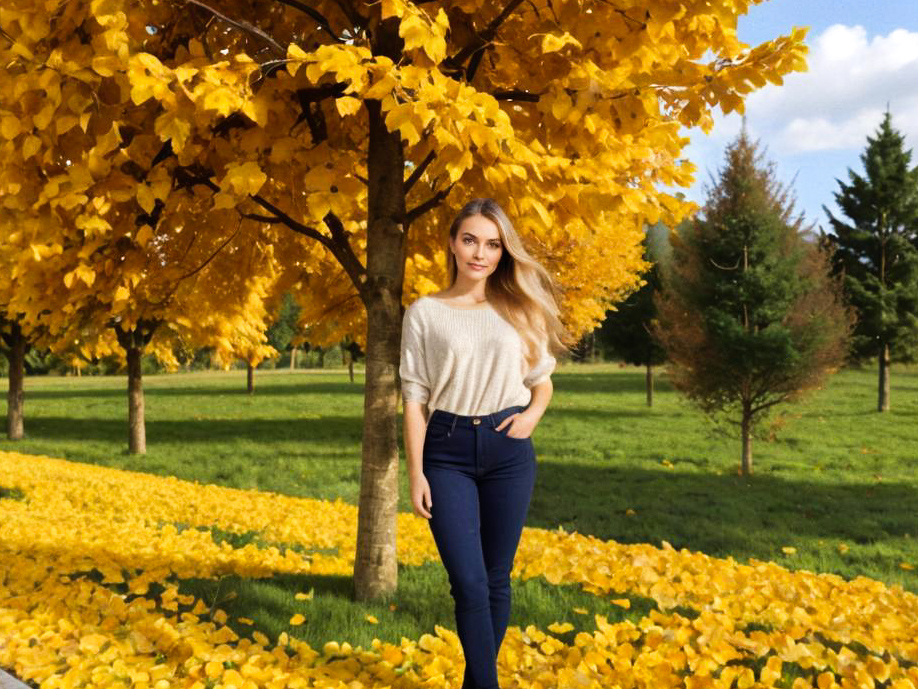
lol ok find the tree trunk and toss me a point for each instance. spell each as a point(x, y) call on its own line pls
point(649, 385)
point(137, 431)
point(17, 342)
point(375, 564)
point(134, 342)
point(321, 357)
point(350, 366)
point(250, 378)
point(883, 396)
point(293, 358)
point(746, 466)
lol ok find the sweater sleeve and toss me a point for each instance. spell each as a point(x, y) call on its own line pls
point(412, 367)
point(542, 370)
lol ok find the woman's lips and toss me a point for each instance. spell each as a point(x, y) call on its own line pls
point(475, 266)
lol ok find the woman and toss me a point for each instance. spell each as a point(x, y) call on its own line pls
point(478, 355)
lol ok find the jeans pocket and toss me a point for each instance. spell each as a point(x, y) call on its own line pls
point(437, 431)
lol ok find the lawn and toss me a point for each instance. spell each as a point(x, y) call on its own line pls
point(834, 491)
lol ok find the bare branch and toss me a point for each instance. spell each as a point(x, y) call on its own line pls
point(240, 24)
point(430, 203)
point(517, 94)
point(213, 255)
point(344, 252)
point(480, 42)
point(418, 171)
point(315, 14)
point(291, 223)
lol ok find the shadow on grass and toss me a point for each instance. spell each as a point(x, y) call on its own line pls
point(725, 515)
point(330, 428)
point(421, 602)
point(192, 389)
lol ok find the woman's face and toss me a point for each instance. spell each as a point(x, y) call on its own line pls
point(477, 247)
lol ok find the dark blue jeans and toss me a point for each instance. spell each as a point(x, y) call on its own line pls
point(481, 481)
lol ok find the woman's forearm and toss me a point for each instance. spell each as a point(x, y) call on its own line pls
point(414, 428)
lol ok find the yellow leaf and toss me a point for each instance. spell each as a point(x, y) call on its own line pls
point(560, 628)
point(10, 127)
point(347, 105)
point(372, 619)
point(30, 146)
point(552, 43)
point(788, 550)
point(297, 620)
point(906, 566)
point(221, 99)
point(146, 199)
point(305, 596)
point(621, 602)
point(244, 179)
point(581, 611)
point(170, 126)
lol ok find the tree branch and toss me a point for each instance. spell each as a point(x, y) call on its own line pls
point(240, 24)
point(517, 94)
point(294, 225)
point(315, 14)
point(480, 42)
point(430, 203)
point(345, 253)
point(418, 171)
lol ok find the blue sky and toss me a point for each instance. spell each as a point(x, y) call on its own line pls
point(863, 56)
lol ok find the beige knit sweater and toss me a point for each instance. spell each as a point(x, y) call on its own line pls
point(467, 361)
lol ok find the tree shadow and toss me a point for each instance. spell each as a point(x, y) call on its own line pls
point(153, 391)
point(330, 428)
point(720, 514)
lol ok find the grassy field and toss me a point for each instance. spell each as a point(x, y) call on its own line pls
point(837, 484)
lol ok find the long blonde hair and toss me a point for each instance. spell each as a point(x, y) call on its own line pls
point(519, 289)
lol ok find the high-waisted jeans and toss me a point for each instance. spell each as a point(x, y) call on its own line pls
point(481, 481)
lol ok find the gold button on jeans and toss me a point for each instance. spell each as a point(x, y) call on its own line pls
point(476, 421)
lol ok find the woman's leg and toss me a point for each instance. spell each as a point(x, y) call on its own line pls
point(455, 526)
point(504, 493)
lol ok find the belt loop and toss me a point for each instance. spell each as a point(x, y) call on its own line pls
point(453, 427)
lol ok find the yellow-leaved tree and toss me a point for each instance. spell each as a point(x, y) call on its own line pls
point(361, 127)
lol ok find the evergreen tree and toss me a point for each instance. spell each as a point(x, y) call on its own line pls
point(749, 314)
point(625, 332)
point(876, 252)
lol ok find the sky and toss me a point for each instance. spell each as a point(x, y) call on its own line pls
point(863, 58)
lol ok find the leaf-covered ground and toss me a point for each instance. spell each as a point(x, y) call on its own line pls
point(91, 559)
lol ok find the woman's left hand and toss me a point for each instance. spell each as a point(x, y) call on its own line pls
point(522, 424)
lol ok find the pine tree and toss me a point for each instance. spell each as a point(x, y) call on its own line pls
point(749, 314)
point(876, 252)
point(625, 333)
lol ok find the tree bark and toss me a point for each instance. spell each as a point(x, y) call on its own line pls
point(350, 366)
point(375, 564)
point(17, 345)
point(321, 357)
point(137, 433)
point(250, 378)
point(649, 385)
point(883, 383)
point(134, 342)
point(746, 466)
point(293, 358)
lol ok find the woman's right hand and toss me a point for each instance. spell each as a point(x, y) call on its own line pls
point(420, 495)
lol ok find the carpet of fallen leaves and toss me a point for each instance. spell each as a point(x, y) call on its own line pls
point(752, 625)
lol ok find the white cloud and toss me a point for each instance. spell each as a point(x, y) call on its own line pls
point(843, 96)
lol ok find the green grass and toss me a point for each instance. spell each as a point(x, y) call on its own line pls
point(836, 472)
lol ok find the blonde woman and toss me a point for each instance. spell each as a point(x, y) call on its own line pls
point(478, 356)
